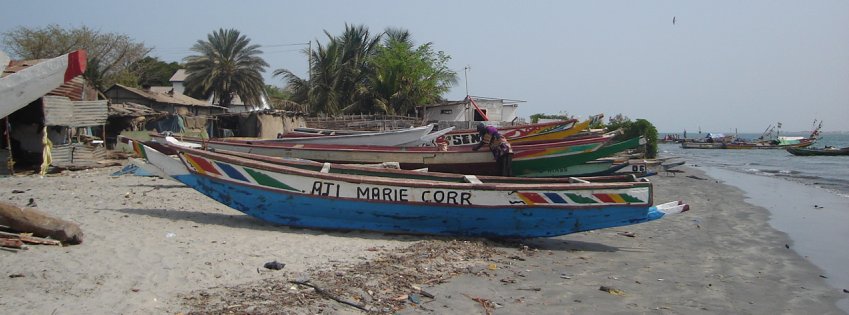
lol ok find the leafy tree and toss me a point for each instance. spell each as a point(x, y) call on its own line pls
point(154, 72)
point(405, 76)
point(227, 65)
point(109, 54)
point(630, 129)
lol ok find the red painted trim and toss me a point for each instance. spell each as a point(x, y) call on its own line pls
point(76, 64)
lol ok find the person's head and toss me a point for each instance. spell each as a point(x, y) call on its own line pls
point(481, 127)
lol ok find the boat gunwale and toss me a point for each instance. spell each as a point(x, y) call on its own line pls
point(417, 183)
point(539, 206)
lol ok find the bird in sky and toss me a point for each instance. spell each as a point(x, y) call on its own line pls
point(673, 20)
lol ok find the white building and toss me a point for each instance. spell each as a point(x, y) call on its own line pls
point(499, 111)
point(236, 105)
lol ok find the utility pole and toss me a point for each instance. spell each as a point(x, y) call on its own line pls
point(466, 76)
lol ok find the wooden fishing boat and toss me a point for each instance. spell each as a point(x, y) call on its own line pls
point(768, 140)
point(370, 169)
point(386, 138)
point(826, 151)
point(577, 165)
point(524, 134)
point(527, 159)
point(702, 145)
point(321, 199)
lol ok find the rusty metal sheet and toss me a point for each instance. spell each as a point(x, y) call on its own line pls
point(58, 111)
point(61, 111)
point(90, 113)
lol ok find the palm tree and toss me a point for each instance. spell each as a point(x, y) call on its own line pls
point(227, 65)
point(339, 73)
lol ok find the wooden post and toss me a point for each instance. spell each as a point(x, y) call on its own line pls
point(11, 162)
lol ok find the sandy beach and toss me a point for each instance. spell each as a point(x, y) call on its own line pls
point(153, 246)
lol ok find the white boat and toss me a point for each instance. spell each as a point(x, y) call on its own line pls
point(27, 85)
point(395, 137)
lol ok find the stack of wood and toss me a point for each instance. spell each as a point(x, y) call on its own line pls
point(37, 227)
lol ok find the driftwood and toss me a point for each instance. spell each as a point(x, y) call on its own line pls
point(29, 239)
point(25, 219)
point(329, 295)
point(11, 243)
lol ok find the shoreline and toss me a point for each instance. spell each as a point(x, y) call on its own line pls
point(151, 242)
point(813, 218)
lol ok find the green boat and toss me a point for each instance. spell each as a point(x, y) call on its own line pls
point(576, 164)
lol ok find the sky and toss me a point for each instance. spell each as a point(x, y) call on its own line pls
point(722, 66)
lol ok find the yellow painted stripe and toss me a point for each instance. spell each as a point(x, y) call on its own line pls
point(194, 164)
point(525, 199)
point(617, 198)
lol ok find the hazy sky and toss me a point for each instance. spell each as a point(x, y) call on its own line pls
point(723, 65)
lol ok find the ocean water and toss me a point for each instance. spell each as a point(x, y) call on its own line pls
point(827, 172)
point(807, 197)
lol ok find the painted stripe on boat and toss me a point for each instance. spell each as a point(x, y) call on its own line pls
point(266, 180)
point(231, 171)
point(201, 165)
point(580, 199)
point(532, 198)
point(137, 147)
point(555, 198)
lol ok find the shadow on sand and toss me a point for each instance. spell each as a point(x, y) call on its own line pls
point(243, 221)
point(558, 244)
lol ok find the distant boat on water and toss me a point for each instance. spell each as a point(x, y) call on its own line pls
point(827, 151)
point(770, 139)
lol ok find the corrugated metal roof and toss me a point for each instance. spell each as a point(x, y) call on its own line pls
point(177, 99)
point(131, 110)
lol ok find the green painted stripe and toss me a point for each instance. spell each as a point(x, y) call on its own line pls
point(630, 199)
point(266, 180)
point(580, 199)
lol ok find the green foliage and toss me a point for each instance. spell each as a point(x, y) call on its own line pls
point(536, 117)
point(226, 65)
point(631, 129)
point(280, 99)
point(154, 72)
point(339, 72)
point(405, 76)
point(358, 73)
point(110, 55)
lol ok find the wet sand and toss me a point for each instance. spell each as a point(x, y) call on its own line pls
point(816, 220)
point(149, 242)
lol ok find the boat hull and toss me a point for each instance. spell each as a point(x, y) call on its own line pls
point(327, 213)
point(818, 152)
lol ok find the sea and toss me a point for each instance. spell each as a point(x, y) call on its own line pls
point(807, 197)
point(827, 172)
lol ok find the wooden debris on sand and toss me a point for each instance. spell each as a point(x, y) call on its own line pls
point(39, 223)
